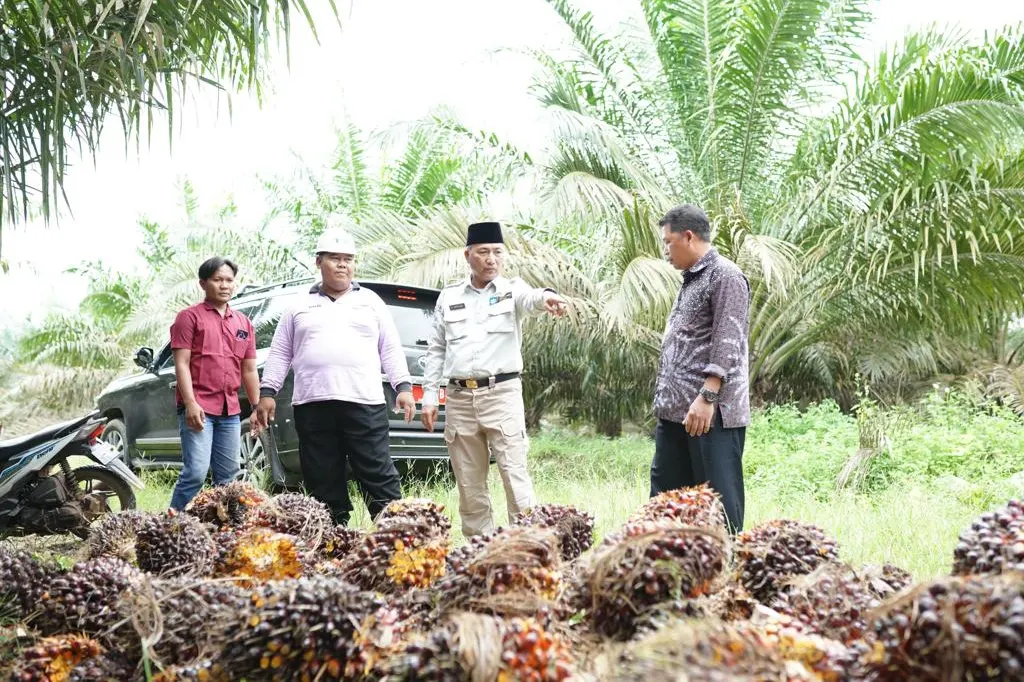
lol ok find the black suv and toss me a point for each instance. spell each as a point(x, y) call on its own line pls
point(144, 424)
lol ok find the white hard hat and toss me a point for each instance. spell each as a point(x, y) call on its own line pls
point(336, 240)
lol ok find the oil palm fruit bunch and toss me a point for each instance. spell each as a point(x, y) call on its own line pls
point(415, 511)
point(226, 506)
point(698, 506)
point(703, 651)
point(108, 667)
point(968, 628)
point(654, 562)
point(204, 671)
point(834, 601)
point(53, 658)
point(23, 580)
point(666, 614)
point(178, 619)
point(575, 528)
point(401, 555)
point(383, 635)
point(516, 573)
point(824, 658)
point(993, 544)
point(299, 629)
point(776, 551)
point(257, 555)
point(304, 517)
point(460, 557)
point(533, 654)
point(116, 535)
point(175, 544)
point(339, 541)
point(85, 599)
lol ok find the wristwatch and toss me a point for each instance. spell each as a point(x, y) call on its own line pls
point(709, 395)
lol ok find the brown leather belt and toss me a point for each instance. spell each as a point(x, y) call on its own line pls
point(485, 381)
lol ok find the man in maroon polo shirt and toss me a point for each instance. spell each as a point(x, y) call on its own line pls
point(214, 353)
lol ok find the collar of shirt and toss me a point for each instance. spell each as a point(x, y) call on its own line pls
point(228, 312)
point(705, 260)
point(315, 289)
point(497, 284)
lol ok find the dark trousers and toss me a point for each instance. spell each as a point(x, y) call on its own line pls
point(332, 432)
point(716, 458)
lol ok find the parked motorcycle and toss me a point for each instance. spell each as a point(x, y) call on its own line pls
point(40, 492)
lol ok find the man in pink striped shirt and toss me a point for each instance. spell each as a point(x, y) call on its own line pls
point(336, 341)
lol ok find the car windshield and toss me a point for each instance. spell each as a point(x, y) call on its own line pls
point(412, 319)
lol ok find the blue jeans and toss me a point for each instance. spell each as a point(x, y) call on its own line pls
point(219, 444)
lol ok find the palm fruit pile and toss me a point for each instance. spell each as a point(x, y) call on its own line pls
point(969, 628)
point(407, 549)
point(273, 590)
point(301, 629)
point(306, 518)
point(993, 544)
point(776, 551)
point(575, 528)
point(515, 572)
point(116, 535)
point(835, 600)
point(174, 544)
point(226, 506)
point(85, 599)
point(256, 555)
point(699, 506)
point(23, 580)
point(54, 658)
point(652, 563)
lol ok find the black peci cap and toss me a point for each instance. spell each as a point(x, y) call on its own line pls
point(484, 233)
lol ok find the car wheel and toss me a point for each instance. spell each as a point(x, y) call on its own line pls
point(256, 458)
point(116, 434)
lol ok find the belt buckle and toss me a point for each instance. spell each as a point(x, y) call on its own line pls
point(471, 383)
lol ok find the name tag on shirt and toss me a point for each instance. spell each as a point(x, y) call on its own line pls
point(456, 306)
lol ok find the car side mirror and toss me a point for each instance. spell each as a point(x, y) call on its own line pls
point(144, 358)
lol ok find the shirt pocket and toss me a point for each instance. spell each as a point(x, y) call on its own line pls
point(456, 324)
point(239, 346)
point(501, 317)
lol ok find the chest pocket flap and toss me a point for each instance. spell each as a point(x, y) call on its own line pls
point(456, 322)
point(501, 317)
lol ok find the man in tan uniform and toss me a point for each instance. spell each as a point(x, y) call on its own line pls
point(475, 342)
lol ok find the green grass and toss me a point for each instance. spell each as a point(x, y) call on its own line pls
point(948, 466)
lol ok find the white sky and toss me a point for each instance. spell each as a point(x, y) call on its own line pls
point(392, 61)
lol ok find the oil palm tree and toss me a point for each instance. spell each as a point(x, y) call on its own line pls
point(68, 67)
point(868, 203)
point(432, 163)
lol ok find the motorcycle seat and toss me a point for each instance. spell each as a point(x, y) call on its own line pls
point(13, 446)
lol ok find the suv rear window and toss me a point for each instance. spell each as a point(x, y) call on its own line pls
point(413, 321)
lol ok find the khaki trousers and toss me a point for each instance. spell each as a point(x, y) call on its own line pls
point(479, 422)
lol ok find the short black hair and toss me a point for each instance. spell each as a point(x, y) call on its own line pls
point(688, 217)
point(212, 265)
